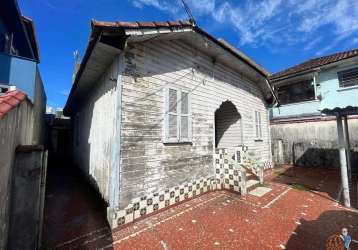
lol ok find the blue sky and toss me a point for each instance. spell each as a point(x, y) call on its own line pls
point(275, 33)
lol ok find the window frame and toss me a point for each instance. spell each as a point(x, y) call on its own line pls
point(179, 138)
point(340, 73)
point(258, 125)
point(286, 88)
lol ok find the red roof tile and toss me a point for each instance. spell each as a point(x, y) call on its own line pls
point(138, 25)
point(315, 63)
point(10, 100)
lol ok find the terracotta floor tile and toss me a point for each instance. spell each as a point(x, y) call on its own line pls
point(288, 217)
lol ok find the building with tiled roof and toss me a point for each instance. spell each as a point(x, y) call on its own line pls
point(153, 102)
point(317, 99)
point(22, 110)
point(313, 65)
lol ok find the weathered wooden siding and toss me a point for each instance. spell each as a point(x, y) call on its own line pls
point(94, 133)
point(149, 165)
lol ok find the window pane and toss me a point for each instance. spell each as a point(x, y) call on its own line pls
point(184, 103)
point(296, 92)
point(173, 126)
point(184, 127)
point(173, 99)
point(260, 125)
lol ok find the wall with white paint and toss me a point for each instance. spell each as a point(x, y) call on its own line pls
point(149, 165)
point(94, 131)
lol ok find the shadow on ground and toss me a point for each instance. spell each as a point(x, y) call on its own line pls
point(322, 228)
point(312, 180)
point(73, 209)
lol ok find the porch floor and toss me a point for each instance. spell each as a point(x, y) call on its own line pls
point(300, 212)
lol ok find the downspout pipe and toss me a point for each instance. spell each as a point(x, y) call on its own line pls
point(276, 100)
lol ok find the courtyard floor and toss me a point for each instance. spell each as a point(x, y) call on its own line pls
point(300, 212)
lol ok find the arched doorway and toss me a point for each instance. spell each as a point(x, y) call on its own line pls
point(228, 127)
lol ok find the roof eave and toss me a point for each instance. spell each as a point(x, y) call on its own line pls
point(99, 27)
point(95, 34)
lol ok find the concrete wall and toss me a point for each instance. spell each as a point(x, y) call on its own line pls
point(39, 109)
point(94, 130)
point(149, 165)
point(29, 179)
point(312, 143)
point(15, 129)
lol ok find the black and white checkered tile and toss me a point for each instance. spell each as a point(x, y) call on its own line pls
point(151, 203)
point(267, 165)
point(227, 176)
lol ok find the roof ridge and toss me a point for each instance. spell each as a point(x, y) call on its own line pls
point(316, 62)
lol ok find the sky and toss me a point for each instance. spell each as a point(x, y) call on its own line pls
point(275, 33)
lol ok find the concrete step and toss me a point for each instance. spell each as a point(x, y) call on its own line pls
point(260, 191)
point(251, 184)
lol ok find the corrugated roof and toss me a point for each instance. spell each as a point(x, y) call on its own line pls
point(315, 63)
point(10, 100)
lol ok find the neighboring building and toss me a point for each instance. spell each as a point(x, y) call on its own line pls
point(150, 104)
point(313, 98)
point(22, 102)
point(19, 59)
point(301, 134)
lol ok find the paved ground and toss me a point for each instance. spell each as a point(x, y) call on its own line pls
point(300, 212)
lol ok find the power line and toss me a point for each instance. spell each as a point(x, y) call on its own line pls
point(188, 12)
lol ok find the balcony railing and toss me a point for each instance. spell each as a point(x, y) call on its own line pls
point(295, 109)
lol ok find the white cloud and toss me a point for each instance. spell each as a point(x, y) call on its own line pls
point(162, 5)
point(202, 7)
point(64, 92)
point(275, 22)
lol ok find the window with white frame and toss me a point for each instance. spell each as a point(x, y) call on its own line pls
point(258, 124)
point(177, 126)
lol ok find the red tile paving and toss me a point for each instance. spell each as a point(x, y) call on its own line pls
point(288, 217)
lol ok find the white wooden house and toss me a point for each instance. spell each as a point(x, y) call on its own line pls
point(152, 102)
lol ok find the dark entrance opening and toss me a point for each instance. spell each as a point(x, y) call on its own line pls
point(228, 127)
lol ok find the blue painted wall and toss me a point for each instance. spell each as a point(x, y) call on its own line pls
point(19, 72)
point(296, 109)
point(332, 96)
